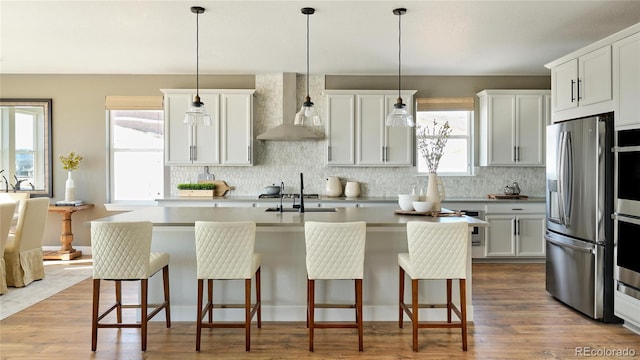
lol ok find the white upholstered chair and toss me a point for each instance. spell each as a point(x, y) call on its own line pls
point(122, 251)
point(23, 252)
point(335, 251)
point(225, 251)
point(17, 198)
point(6, 215)
point(436, 251)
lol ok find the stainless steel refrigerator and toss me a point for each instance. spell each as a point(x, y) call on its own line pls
point(579, 235)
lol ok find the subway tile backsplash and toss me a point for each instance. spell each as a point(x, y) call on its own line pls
point(276, 161)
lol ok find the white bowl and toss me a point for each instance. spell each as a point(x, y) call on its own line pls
point(406, 205)
point(422, 206)
point(410, 197)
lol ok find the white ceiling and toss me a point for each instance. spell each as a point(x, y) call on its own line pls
point(347, 37)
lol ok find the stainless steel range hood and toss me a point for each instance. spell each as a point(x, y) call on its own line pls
point(287, 131)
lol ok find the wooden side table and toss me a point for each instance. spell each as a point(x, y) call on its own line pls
point(66, 252)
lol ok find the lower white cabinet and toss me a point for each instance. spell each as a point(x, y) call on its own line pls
point(515, 232)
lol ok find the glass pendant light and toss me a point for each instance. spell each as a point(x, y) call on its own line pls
point(307, 116)
point(399, 116)
point(197, 113)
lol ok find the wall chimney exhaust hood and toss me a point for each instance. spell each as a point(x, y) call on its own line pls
point(287, 131)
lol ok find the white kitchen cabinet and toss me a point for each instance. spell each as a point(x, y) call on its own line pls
point(515, 231)
point(512, 127)
point(581, 83)
point(229, 139)
point(356, 132)
point(626, 78)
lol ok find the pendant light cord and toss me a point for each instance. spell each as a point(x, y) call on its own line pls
point(197, 55)
point(307, 55)
point(399, 54)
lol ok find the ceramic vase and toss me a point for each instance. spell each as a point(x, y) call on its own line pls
point(352, 189)
point(69, 189)
point(333, 186)
point(433, 195)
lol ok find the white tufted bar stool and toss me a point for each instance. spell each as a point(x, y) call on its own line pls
point(225, 251)
point(122, 251)
point(436, 251)
point(334, 251)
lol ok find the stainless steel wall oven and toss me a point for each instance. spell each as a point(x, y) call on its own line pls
point(627, 216)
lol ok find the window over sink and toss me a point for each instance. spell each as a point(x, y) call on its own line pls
point(457, 159)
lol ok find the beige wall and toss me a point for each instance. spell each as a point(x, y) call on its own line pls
point(79, 117)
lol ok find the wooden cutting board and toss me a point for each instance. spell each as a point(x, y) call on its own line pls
point(503, 196)
point(429, 213)
point(221, 187)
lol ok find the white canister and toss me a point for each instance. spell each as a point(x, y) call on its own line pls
point(333, 187)
point(352, 189)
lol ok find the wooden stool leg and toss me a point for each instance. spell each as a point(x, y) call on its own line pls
point(359, 314)
point(199, 314)
point(463, 312)
point(401, 298)
point(94, 317)
point(143, 310)
point(414, 315)
point(167, 309)
point(449, 300)
point(311, 304)
point(118, 286)
point(258, 298)
point(210, 299)
point(247, 314)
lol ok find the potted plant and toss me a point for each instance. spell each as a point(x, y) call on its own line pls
point(203, 189)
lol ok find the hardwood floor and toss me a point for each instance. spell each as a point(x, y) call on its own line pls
point(514, 319)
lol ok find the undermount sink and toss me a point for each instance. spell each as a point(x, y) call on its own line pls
point(314, 209)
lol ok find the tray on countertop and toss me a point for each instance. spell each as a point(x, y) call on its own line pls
point(429, 213)
point(510, 197)
point(221, 187)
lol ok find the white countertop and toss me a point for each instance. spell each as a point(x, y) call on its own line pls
point(361, 199)
point(187, 216)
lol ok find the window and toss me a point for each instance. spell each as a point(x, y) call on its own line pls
point(136, 161)
point(457, 159)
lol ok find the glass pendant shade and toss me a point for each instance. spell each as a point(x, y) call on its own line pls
point(307, 116)
point(197, 114)
point(399, 116)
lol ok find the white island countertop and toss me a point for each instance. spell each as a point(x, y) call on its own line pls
point(187, 216)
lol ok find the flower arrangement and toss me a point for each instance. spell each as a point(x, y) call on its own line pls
point(70, 161)
point(431, 143)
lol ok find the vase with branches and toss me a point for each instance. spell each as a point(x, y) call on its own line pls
point(432, 140)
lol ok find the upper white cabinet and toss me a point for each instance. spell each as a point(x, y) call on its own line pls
point(512, 127)
point(229, 139)
point(356, 132)
point(581, 82)
point(626, 77)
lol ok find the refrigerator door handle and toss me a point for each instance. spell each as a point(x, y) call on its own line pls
point(569, 184)
point(561, 180)
point(585, 248)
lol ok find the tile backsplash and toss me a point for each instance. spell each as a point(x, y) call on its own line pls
point(276, 161)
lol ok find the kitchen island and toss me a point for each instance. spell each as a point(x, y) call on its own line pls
point(280, 240)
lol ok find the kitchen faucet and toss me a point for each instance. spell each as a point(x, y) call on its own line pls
point(301, 194)
point(281, 194)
